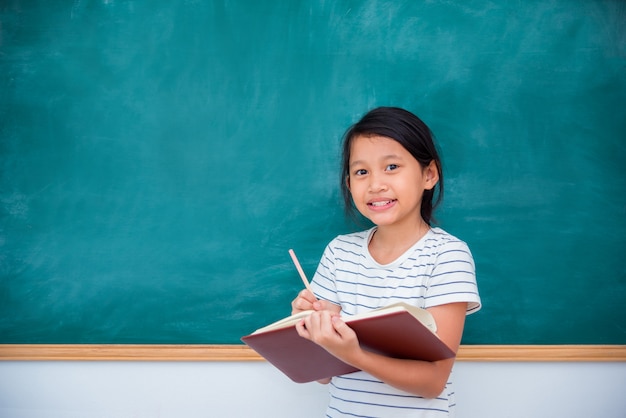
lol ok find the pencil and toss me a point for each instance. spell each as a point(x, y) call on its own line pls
point(299, 268)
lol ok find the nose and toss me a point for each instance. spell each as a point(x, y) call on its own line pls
point(377, 183)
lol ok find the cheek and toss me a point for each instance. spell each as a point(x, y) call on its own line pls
point(355, 188)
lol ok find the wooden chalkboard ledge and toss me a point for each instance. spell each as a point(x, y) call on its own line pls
point(123, 352)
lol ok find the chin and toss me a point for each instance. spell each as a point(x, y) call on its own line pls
point(378, 221)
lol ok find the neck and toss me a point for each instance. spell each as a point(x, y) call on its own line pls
point(391, 241)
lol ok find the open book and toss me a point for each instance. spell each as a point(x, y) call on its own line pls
point(399, 331)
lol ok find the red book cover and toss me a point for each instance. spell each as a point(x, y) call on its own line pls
point(395, 334)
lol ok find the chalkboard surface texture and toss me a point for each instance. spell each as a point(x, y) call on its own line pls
point(159, 158)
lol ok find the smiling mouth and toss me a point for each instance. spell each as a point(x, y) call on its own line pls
point(381, 203)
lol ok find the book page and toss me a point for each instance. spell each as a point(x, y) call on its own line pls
point(285, 322)
point(420, 314)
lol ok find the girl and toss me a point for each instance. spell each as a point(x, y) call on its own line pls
point(391, 173)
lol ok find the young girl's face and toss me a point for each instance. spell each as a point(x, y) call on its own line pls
point(386, 182)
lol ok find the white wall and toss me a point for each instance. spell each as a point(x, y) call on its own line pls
point(256, 389)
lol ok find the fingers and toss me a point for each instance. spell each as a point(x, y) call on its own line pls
point(306, 294)
point(330, 332)
point(324, 305)
point(303, 302)
point(320, 322)
point(306, 301)
point(318, 327)
point(302, 330)
point(341, 327)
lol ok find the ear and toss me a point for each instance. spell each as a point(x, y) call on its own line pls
point(431, 175)
point(348, 182)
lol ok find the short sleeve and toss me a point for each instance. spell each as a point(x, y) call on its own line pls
point(454, 277)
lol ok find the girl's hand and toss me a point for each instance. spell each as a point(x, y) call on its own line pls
point(328, 330)
point(306, 301)
point(303, 302)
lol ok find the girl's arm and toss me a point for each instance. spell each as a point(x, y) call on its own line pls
point(422, 378)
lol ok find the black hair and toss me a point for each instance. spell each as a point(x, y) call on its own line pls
point(408, 130)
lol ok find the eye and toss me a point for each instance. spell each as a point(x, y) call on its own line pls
point(392, 167)
point(360, 172)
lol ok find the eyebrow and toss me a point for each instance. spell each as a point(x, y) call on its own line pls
point(384, 158)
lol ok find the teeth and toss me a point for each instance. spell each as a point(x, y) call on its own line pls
point(386, 202)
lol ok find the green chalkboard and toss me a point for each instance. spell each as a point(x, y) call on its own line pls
point(158, 158)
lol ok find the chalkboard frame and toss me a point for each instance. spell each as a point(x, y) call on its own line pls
point(242, 353)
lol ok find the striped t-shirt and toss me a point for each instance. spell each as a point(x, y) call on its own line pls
point(437, 270)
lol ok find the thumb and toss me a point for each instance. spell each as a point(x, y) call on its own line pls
point(321, 305)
